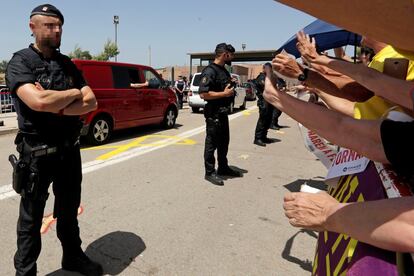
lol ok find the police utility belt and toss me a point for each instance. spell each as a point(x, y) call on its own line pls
point(25, 169)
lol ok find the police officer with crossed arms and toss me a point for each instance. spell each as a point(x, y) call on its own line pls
point(217, 88)
point(49, 95)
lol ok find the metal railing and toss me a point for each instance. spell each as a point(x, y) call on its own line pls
point(6, 103)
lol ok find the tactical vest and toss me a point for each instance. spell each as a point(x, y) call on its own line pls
point(55, 74)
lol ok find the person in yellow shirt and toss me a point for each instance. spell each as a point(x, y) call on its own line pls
point(376, 107)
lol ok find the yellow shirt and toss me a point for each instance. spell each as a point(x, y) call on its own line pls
point(375, 107)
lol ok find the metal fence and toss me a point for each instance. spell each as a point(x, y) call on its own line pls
point(6, 103)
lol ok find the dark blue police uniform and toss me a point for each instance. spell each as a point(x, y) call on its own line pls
point(49, 144)
point(265, 111)
point(215, 78)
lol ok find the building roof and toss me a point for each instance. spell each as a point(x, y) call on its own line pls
point(241, 56)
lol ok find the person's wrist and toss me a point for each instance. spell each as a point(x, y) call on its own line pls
point(321, 60)
point(60, 113)
point(332, 222)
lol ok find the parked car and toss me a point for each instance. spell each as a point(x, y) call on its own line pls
point(6, 102)
point(196, 102)
point(119, 105)
point(250, 91)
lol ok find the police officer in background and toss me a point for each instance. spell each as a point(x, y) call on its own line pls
point(217, 88)
point(265, 110)
point(49, 95)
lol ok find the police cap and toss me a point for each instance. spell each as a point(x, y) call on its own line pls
point(223, 47)
point(47, 10)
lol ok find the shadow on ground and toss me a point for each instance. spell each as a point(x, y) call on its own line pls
point(114, 251)
point(286, 253)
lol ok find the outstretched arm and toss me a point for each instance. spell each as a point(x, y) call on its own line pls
point(390, 225)
point(393, 89)
point(333, 126)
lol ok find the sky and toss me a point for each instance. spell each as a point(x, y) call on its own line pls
point(172, 29)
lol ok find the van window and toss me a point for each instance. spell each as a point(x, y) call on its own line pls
point(196, 80)
point(153, 80)
point(97, 76)
point(124, 76)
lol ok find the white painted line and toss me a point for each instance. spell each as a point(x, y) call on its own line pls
point(6, 191)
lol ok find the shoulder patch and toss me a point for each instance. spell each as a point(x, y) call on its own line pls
point(204, 80)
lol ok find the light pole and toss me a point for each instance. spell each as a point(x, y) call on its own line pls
point(243, 46)
point(116, 22)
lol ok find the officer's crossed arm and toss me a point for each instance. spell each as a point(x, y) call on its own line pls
point(212, 95)
point(38, 99)
point(205, 89)
point(84, 105)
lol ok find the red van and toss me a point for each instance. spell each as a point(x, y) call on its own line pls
point(119, 105)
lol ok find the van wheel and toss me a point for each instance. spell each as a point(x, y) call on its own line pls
point(243, 106)
point(169, 118)
point(195, 109)
point(231, 108)
point(100, 130)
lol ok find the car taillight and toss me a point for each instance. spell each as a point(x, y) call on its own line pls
point(190, 93)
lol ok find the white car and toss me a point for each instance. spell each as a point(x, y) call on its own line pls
point(195, 102)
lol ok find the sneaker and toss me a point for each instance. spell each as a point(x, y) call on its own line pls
point(82, 264)
point(229, 172)
point(259, 142)
point(213, 178)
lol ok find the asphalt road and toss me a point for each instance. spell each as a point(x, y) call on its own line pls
point(147, 210)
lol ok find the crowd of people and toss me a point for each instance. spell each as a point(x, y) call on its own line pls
point(367, 110)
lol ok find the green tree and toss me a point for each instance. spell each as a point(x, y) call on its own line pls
point(78, 53)
point(3, 66)
point(110, 51)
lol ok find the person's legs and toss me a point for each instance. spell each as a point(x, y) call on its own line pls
point(210, 145)
point(28, 236)
point(275, 118)
point(32, 205)
point(67, 190)
point(223, 141)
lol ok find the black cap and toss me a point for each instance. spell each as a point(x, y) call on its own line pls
point(223, 47)
point(47, 10)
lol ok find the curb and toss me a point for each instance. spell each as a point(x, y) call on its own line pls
point(8, 131)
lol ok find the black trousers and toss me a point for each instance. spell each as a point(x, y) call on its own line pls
point(217, 137)
point(180, 99)
point(276, 115)
point(265, 119)
point(65, 171)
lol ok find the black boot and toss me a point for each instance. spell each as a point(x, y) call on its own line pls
point(259, 142)
point(82, 264)
point(214, 179)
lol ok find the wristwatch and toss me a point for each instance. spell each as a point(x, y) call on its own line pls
point(304, 75)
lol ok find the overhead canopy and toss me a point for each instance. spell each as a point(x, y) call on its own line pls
point(242, 56)
point(327, 37)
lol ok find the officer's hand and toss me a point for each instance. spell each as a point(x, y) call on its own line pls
point(39, 86)
point(229, 91)
point(78, 94)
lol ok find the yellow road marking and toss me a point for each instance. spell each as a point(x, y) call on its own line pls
point(139, 142)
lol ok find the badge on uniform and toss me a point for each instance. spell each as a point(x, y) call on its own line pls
point(204, 80)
